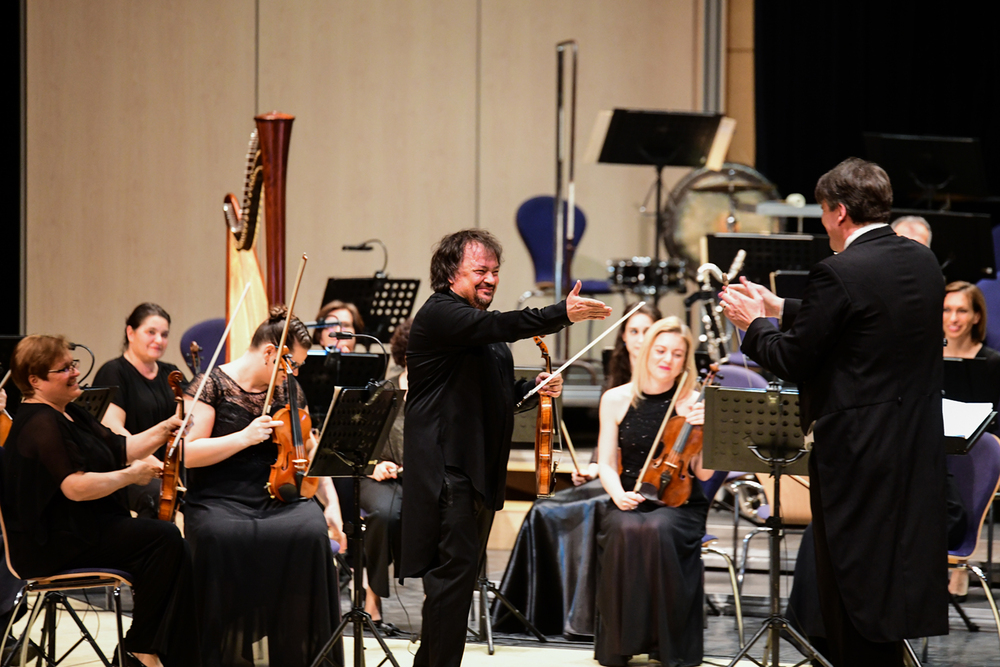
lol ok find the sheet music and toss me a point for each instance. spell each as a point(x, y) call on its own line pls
point(962, 419)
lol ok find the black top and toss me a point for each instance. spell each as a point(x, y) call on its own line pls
point(393, 448)
point(636, 432)
point(241, 477)
point(146, 402)
point(460, 408)
point(45, 528)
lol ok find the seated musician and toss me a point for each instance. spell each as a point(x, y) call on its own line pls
point(382, 499)
point(342, 316)
point(964, 323)
point(64, 504)
point(263, 567)
point(627, 345)
point(143, 396)
point(650, 590)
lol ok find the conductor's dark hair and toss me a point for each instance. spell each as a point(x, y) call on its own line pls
point(270, 329)
point(139, 315)
point(450, 251)
point(862, 187)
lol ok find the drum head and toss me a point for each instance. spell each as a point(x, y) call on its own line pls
point(702, 203)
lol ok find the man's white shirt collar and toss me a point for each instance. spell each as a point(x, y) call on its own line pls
point(858, 232)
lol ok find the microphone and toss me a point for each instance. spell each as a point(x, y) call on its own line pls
point(360, 246)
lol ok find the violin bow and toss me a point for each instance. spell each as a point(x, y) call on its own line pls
point(284, 335)
point(579, 354)
point(569, 446)
point(659, 433)
point(208, 371)
point(5, 378)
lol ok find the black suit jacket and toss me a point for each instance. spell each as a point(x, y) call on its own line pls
point(460, 408)
point(864, 346)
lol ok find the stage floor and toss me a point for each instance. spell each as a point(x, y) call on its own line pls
point(960, 648)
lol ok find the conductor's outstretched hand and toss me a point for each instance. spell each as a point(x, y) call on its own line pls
point(580, 308)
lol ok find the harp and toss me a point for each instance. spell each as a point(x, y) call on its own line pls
point(263, 206)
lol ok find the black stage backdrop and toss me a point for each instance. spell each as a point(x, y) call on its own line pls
point(826, 72)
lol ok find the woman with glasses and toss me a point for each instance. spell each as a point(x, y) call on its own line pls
point(342, 317)
point(263, 568)
point(65, 507)
point(143, 395)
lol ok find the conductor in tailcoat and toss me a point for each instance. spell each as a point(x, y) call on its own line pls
point(864, 347)
point(458, 427)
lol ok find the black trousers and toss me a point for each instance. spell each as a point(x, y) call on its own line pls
point(846, 646)
point(383, 503)
point(448, 586)
point(159, 560)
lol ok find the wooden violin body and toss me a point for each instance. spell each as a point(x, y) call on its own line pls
point(171, 488)
point(545, 431)
point(287, 480)
point(668, 477)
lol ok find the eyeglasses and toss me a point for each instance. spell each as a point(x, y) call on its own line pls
point(71, 366)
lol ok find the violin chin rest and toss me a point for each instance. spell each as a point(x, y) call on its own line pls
point(288, 493)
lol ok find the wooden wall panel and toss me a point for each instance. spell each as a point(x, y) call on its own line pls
point(414, 119)
point(637, 54)
point(136, 127)
point(384, 140)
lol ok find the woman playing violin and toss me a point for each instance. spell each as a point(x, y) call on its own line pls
point(65, 507)
point(264, 568)
point(143, 395)
point(650, 590)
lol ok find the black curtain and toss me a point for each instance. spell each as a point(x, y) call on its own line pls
point(826, 72)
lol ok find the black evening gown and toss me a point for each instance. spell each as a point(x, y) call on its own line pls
point(49, 533)
point(650, 590)
point(262, 567)
point(146, 403)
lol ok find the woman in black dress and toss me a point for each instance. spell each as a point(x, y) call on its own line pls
point(650, 590)
point(263, 568)
point(143, 397)
point(65, 508)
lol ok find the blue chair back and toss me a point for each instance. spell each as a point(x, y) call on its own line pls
point(977, 475)
point(536, 225)
point(207, 334)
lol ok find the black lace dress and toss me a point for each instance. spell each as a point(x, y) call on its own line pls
point(650, 590)
point(262, 567)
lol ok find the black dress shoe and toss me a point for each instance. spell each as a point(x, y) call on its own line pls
point(387, 629)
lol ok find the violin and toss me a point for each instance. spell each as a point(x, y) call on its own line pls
point(171, 489)
point(195, 351)
point(287, 481)
point(545, 462)
point(666, 479)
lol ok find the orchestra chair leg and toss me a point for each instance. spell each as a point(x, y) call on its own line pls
point(707, 549)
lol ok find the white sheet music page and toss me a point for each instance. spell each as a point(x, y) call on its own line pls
point(962, 419)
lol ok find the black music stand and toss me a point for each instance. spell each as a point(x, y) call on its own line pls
point(323, 371)
point(760, 429)
point(768, 252)
point(96, 400)
point(382, 302)
point(927, 168)
point(657, 138)
point(356, 428)
point(962, 243)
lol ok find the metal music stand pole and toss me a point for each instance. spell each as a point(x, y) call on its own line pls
point(486, 587)
point(729, 427)
point(358, 429)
